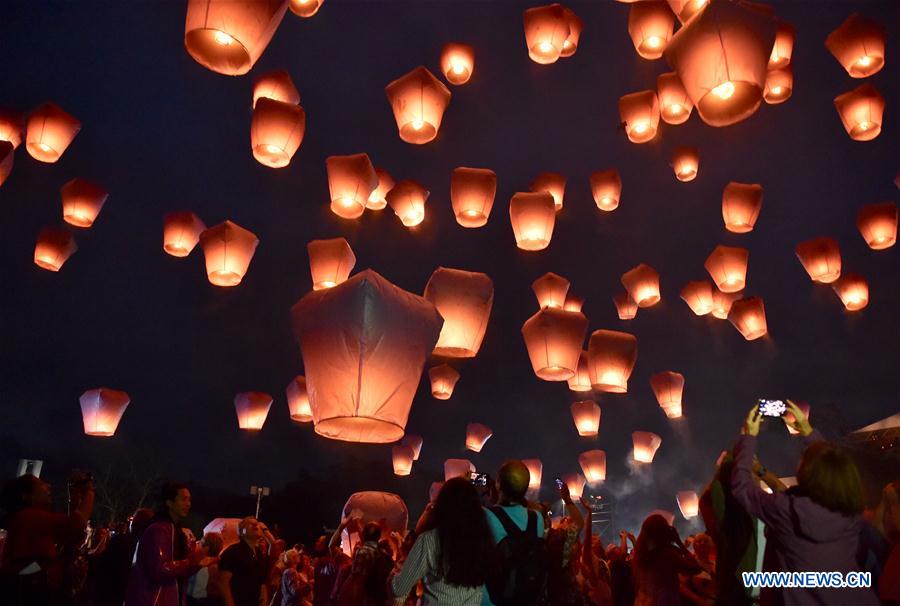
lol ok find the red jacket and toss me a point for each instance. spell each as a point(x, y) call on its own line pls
point(154, 576)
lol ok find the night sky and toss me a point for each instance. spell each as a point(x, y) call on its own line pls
point(162, 133)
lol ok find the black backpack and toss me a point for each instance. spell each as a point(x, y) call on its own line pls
point(521, 579)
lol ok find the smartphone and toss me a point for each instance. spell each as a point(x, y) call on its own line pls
point(478, 479)
point(772, 408)
point(559, 484)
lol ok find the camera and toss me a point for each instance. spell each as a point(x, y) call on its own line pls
point(478, 479)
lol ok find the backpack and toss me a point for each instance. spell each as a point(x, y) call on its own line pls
point(522, 576)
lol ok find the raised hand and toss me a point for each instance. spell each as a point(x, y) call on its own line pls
point(752, 423)
point(799, 423)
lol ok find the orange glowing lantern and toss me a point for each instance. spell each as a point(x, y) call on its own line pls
point(419, 100)
point(54, 246)
point(276, 85)
point(305, 8)
point(415, 443)
point(464, 299)
point(82, 201)
point(553, 338)
point(276, 131)
point(377, 200)
point(228, 249)
point(457, 468)
point(688, 503)
point(575, 26)
point(611, 355)
point(821, 258)
point(779, 85)
point(727, 266)
point(721, 56)
point(252, 408)
point(640, 113)
point(457, 62)
point(472, 192)
point(675, 106)
point(402, 459)
point(685, 163)
point(749, 317)
point(330, 262)
point(443, 379)
point(668, 387)
point(532, 216)
point(364, 344)
point(7, 151)
point(476, 436)
point(853, 291)
point(535, 471)
point(575, 483)
point(553, 183)
point(650, 25)
point(741, 203)
point(573, 302)
point(593, 464)
point(861, 112)
point(581, 380)
point(699, 296)
point(642, 284)
point(546, 32)
point(645, 445)
point(878, 225)
point(858, 45)
point(550, 290)
point(102, 409)
point(228, 36)
point(298, 400)
point(49, 132)
point(626, 308)
point(722, 302)
point(586, 415)
point(685, 9)
point(783, 47)
point(790, 418)
point(606, 188)
point(351, 181)
point(10, 127)
point(181, 232)
point(407, 198)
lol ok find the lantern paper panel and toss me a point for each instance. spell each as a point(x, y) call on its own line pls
point(477, 435)
point(472, 192)
point(49, 132)
point(443, 379)
point(675, 106)
point(593, 464)
point(685, 9)
point(407, 199)
point(722, 302)
point(330, 262)
point(779, 85)
point(783, 48)
point(532, 216)
point(415, 443)
point(573, 302)
point(575, 483)
point(821, 258)
point(181, 233)
point(276, 85)
point(276, 131)
point(82, 201)
point(606, 188)
point(642, 284)
point(11, 126)
point(576, 25)
point(535, 471)
point(554, 183)
point(7, 152)
point(878, 225)
point(645, 443)
point(54, 247)
point(685, 163)
point(639, 113)
point(553, 338)
point(546, 32)
point(457, 62)
point(581, 380)
point(458, 468)
point(377, 199)
point(650, 25)
point(727, 266)
point(668, 387)
point(298, 400)
point(688, 503)
point(861, 111)
point(626, 308)
point(749, 317)
point(305, 8)
point(699, 296)
point(418, 100)
point(385, 508)
point(586, 415)
point(351, 181)
point(741, 203)
point(464, 299)
point(102, 409)
point(252, 408)
point(611, 355)
point(858, 45)
point(228, 249)
point(550, 290)
point(853, 291)
point(402, 459)
point(790, 418)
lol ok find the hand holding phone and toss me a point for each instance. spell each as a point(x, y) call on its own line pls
point(771, 408)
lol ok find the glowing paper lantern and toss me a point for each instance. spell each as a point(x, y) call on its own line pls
point(575, 26)
point(532, 216)
point(626, 308)
point(402, 459)
point(606, 188)
point(276, 131)
point(305, 8)
point(685, 163)
point(102, 409)
point(858, 45)
point(688, 503)
point(546, 32)
point(82, 201)
point(721, 57)
point(749, 317)
point(642, 284)
point(276, 85)
point(575, 483)
point(573, 302)
point(351, 181)
point(783, 47)
point(861, 112)
point(586, 415)
point(535, 471)
point(385, 508)
point(821, 258)
point(550, 290)
point(699, 296)
point(685, 9)
point(443, 379)
point(581, 380)
point(419, 100)
point(228, 36)
point(553, 183)
point(727, 266)
point(640, 114)
point(878, 225)
point(464, 299)
point(472, 192)
point(853, 291)
point(407, 198)
point(364, 344)
point(650, 25)
point(330, 262)
point(54, 246)
point(553, 338)
point(181, 232)
point(593, 464)
point(722, 302)
point(457, 62)
point(49, 132)
point(674, 104)
point(476, 436)
point(415, 443)
point(668, 387)
point(228, 249)
point(611, 355)
point(377, 200)
point(789, 417)
point(298, 400)
point(779, 85)
point(10, 127)
point(6, 160)
point(645, 445)
point(457, 468)
point(741, 203)
point(252, 408)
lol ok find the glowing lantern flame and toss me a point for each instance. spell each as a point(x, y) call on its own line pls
point(252, 408)
point(783, 47)
point(228, 249)
point(532, 216)
point(878, 225)
point(49, 132)
point(853, 291)
point(606, 188)
point(642, 284)
point(741, 203)
point(443, 379)
point(418, 100)
point(351, 181)
point(612, 355)
point(402, 459)
point(472, 192)
point(699, 296)
point(749, 317)
point(640, 114)
point(650, 25)
point(821, 258)
point(861, 111)
point(407, 198)
point(477, 435)
point(330, 262)
point(593, 464)
point(686, 163)
point(181, 233)
point(54, 247)
point(586, 415)
point(546, 31)
point(305, 8)
point(102, 409)
point(82, 201)
point(779, 85)
point(858, 45)
point(276, 132)
point(727, 266)
point(553, 338)
point(457, 62)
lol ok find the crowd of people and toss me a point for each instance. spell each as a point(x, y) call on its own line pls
point(476, 543)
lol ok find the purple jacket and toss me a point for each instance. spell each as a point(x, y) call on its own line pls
point(802, 535)
point(154, 576)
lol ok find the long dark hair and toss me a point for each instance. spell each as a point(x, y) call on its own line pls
point(655, 535)
point(467, 547)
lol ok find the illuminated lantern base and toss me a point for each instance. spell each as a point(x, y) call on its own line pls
point(402, 457)
point(586, 415)
point(181, 232)
point(593, 464)
point(878, 225)
point(688, 503)
point(853, 291)
point(749, 317)
point(645, 446)
point(102, 409)
point(443, 381)
point(252, 408)
point(305, 8)
point(54, 247)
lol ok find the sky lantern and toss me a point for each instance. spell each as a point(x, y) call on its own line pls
point(82, 201)
point(305, 8)
point(228, 36)
point(10, 127)
point(722, 302)
point(741, 203)
point(228, 249)
point(54, 246)
point(645, 444)
point(385, 508)
point(443, 379)
point(457, 468)
point(276, 85)
point(553, 338)
point(575, 483)
point(415, 443)
point(535, 471)
point(252, 408)
point(276, 131)
point(407, 198)
point(546, 32)
point(181, 232)
point(49, 132)
point(640, 113)
point(606, 188)
point(7, 151)
point(102, 409)
point(553, 183)
point(789, 416)
point(650, 25)
point(821, 258)
point(464, 299)
point(351, 181)
point(861, 112)
point(586, 415)
point(575, 26)
point(364, 344)
point(472, 192)
point(330, 262)
point(476, 436)
point(419, 100)
point(779, 85)
point(783, 48)
point(727, 266)
point(668, 387)
point(685, 163)
point(581, 380)
point(878, 225)
point(550, 290)
point(642, 284)
point(532, 215)
point(611, 355)
point(858, 45)
point(626, 308)
point(573, 302)
point(674, 104)
point(377, 199)
point(688, 503)
point(853, 290)
point(685, 9)
point(402, 459)
point(593, 464)
point(721, 57)
point(699, 296)
point(457, 62)
point(298, 400)
point(749, 317)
